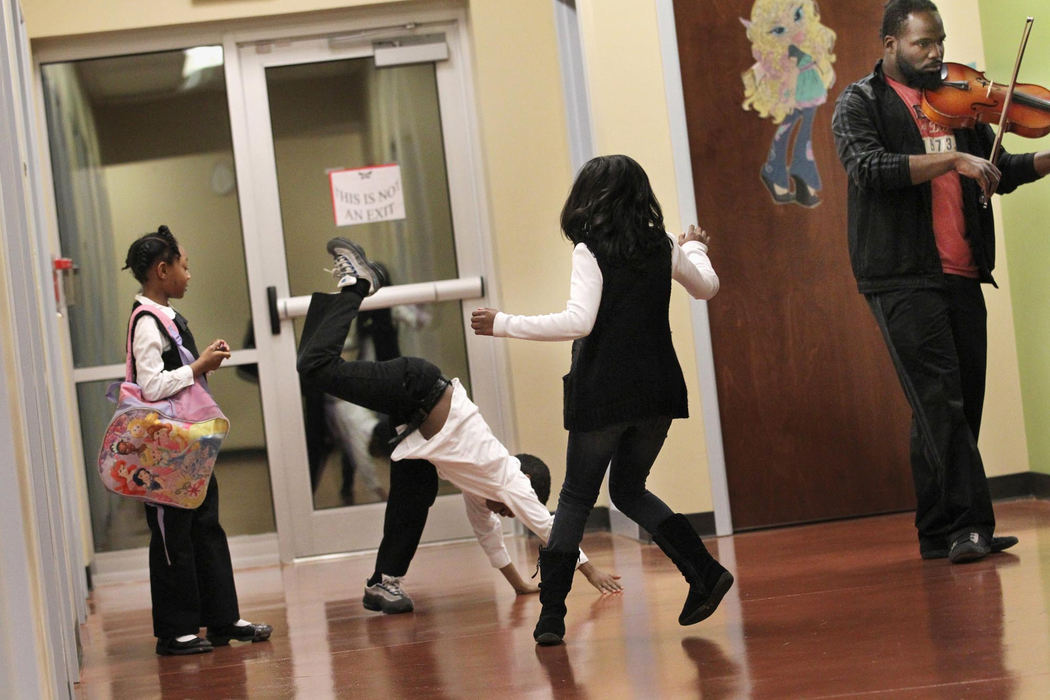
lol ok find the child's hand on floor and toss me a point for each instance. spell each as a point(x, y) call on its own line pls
point(526, 589)
point(520, 585)
point(605, 582)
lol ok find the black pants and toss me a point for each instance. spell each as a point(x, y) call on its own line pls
point(627, 451)
point(190, 573)
point(413, 488)
point(394, 387)
point(938, 342)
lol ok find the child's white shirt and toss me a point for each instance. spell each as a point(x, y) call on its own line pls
point(155, 381)
point(690, 267)
point(466, 453)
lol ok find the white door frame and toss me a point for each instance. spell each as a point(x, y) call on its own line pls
point(302, 530)
point(705, 366)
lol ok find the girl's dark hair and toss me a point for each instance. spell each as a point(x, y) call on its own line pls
point(538, 473)
point(612, 209)
point(150, 249)
point(895, 14)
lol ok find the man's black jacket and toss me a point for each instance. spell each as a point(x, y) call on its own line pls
point(890, 220)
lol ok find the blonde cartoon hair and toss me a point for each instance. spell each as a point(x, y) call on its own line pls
point(769, 84)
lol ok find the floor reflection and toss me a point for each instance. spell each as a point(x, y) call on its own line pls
point(717, 674)
point(556, 664)
point(818, 611)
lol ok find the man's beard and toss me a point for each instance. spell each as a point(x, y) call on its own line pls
point(922, 80)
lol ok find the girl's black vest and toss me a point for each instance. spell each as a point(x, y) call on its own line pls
point(626, 368)
point(171, 357)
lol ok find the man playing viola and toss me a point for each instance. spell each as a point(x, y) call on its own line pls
point(921, 244)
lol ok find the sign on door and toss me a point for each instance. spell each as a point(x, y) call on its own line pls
point(367, 195)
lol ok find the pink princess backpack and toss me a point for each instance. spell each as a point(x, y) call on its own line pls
point(161, 452)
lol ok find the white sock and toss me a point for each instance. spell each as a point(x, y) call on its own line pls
point(185, 638)
point(241, 623)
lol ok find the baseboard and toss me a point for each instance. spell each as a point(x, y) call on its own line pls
point(1021, 485)
point(133, 564)
point(598, 520)
point(605, 519)
point(620, 524)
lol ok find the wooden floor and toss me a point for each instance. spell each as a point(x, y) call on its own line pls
point(830, 610)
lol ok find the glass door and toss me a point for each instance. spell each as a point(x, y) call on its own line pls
point(363, 138)
point(137, 141)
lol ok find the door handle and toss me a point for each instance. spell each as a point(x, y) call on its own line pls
point(271, 304)
point(461, 288)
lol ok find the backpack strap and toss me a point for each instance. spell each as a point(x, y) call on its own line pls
point(167, 324)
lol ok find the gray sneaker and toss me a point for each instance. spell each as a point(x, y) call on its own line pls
point(386, 596)
point(351, 264)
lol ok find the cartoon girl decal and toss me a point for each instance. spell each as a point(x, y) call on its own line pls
point(144, 478)
point(151, 456)
point(137, 428)
point(120, 473)
point(788, 81)
point(126, 447)
point(168, 437)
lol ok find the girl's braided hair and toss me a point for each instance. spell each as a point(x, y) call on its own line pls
point(150, 249)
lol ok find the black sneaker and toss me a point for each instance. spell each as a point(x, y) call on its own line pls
point(998, 544)
point(351, 264)
point(170, 647)
point(221, 636)
point(386, 596)
point(969, 546)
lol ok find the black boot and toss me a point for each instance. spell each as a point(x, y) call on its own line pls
point(556, 571)
point(708, 580)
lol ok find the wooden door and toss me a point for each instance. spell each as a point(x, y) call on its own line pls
point(814, 422)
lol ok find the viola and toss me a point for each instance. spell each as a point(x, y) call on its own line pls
point(1027, 116)
point(967, 96)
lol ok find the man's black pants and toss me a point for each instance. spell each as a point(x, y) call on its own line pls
point(937, 338)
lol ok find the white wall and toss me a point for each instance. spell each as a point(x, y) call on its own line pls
point(41, 587)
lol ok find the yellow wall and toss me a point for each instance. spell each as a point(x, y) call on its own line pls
point(13, 390)
point(528, 176)
point(1003, 441)
point(629, 112)
point(1024, 216)
point(55, 18)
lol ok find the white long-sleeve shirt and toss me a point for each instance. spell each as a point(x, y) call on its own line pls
point(690, 267)
point(467, 453)
point(149, 342)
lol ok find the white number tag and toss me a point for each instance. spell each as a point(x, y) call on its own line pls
point(940, 144)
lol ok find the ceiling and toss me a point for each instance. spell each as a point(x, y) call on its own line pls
point(143, 77)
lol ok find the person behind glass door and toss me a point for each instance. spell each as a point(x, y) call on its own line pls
point(191, 575)
point(625, 384)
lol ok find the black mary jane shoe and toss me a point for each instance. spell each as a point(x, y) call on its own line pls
point(169, 646)
point(778, 197)
point(221, 636)
point(804, 195)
